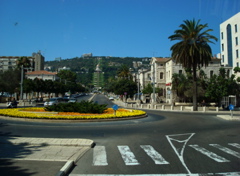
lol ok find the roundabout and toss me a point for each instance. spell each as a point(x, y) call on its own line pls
point(40, 114)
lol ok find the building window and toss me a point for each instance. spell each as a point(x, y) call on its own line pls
point(223, 58)
point(236, 40)
point(237, 64)
point(211, 73)
point(222, 35)
point(236, 29)
point(222, 47)
point(229, 45)
point(161, 75)
point(180, 72)
point(237, 54)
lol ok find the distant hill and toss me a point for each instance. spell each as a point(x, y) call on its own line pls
point(85, 67)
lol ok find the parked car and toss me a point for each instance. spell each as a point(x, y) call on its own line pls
point(72, 100)
point(111, 98)
point(53, 101)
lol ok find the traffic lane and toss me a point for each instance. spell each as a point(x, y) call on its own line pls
point(166, 123)
point(102, 99)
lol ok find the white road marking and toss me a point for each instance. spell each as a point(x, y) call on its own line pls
point(156, 157)
point(197, 174)
point(127, 156)
point(99, 156)
point(227, 150)
point(179, 151)
point(235, 145)
point(211, 155)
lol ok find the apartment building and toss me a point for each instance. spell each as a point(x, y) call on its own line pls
point(10, 62)
point(230, 42)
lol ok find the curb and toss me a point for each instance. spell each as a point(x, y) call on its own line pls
point(69, 165)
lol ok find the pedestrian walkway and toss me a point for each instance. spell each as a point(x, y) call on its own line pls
point(22, 149)
point(129, 158)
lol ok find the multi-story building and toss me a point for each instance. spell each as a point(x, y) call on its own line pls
point(230, 42)
point(162, 70)
point(10, 62)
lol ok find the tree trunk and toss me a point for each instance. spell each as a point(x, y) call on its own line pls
point(195, 108)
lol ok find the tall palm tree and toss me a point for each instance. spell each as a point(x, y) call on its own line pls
point(123, 72)
point(23, 61)
point(192, 50)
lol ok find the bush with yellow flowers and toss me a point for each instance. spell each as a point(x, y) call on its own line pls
point(40, 113)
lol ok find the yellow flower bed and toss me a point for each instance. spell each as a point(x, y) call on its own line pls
point(40, 113)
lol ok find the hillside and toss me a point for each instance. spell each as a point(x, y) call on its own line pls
point(84, 67)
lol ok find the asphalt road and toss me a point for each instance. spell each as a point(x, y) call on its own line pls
point(162, 143)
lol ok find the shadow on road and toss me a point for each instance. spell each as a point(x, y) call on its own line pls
point(12, 155)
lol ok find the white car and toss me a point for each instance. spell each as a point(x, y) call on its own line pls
point(72, 100)
point(53, 101)
point(111, 98)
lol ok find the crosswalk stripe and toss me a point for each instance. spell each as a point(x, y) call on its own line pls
point(127, 156)
point(235, 145)
point(211, 155)
point(99, 156)
point(156, 157)
point(227, 150)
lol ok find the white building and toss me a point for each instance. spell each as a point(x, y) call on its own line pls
point(162, 70)
point(10, 62)
point(42, 74)
point(230, 42)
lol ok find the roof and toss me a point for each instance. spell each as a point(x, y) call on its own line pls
point(41, 72)
point(162, 59)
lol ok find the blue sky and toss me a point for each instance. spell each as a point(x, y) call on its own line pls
point(121, 28)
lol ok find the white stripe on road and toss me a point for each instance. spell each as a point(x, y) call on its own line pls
point(99, 156)
point(127, 156)
point(206, 174)
point(156, 157)
point(227, 150)
point(211, 155)
point(235, 145)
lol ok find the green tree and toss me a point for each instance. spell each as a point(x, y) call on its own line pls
point(123, 85)
point(9, 81)
point(220, 86)
point(67, 76)
point(23, 61)
point(28, 86)
point(192, 50)
point(180, 84)
point(123, 72)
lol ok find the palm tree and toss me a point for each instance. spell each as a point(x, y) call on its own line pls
point(123, 72)
point(23, 61)
point(192, 50)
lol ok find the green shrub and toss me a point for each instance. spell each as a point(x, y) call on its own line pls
point(81, 107)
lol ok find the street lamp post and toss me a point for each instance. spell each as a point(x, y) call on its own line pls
point(154, 98)
point(21, 88)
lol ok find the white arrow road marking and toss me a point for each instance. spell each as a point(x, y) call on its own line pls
point(206, 174)
point(127, 156)
point(235, 145)
point(99, 156)
point(156, 157)
point(184, 138)
point(227, 150)
point(211, 155)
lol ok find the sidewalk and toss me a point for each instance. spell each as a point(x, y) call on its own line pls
point(40, 156)
point(223, 114)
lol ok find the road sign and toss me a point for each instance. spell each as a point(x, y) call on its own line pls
point(231, 107)
point(115, 107)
